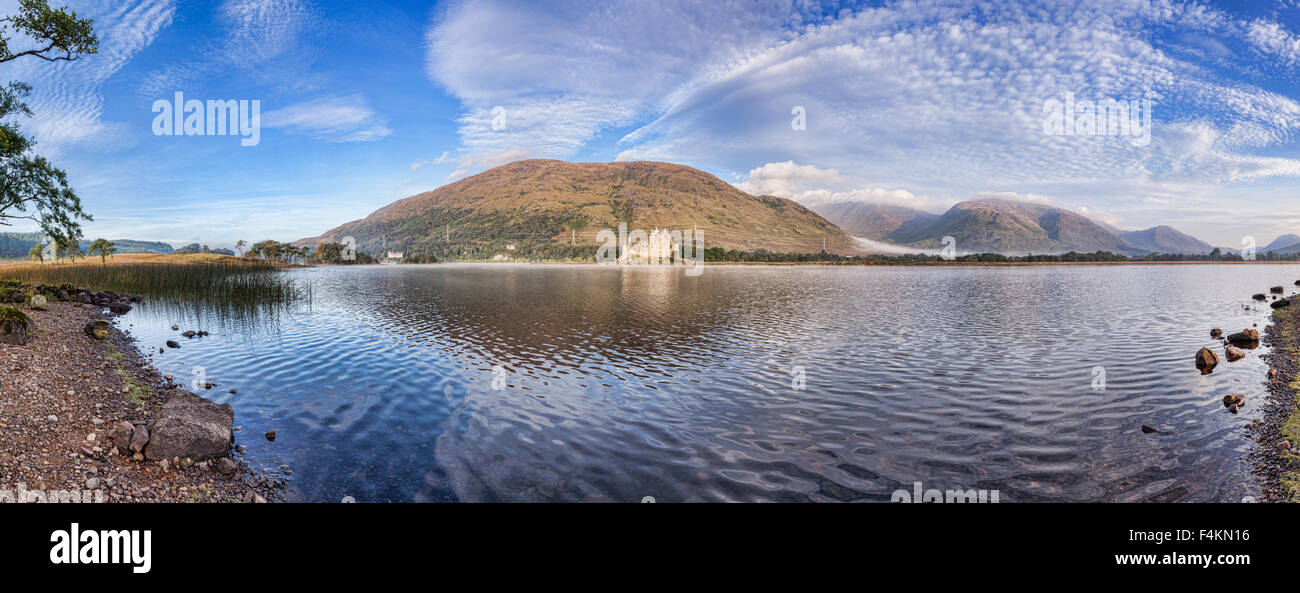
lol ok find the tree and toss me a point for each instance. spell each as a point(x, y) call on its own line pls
point(70, 248)
point(104, 248)
point(239, 246)
point(37, 252)
point(63, 35)
point(268, 249)
point(30, 187)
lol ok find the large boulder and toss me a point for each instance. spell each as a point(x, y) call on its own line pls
point(1280, 303)
point(15, 326)
point(39, 302)
point(190, 426)
point(1277, 290)
point(1233, 353)
point(1244, 337)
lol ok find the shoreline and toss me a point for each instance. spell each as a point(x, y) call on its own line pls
point(1274, 459)
point(62, 396)
point(810, 263)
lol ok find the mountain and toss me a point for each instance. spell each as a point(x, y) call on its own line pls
point(1281, 243)
point(134, 246)
point(879, 222)
point(1165, 239)
point(1288, 249)
point(1013, 228)
point(549, 209)
point(18, 244)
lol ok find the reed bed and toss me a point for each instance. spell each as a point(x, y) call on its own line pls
point(225, 284)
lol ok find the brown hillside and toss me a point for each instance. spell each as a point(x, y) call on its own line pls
point(532, 204)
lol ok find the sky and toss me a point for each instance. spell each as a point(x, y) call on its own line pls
point(921, 103)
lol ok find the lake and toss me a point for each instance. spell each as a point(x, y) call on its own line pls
point(506, 382)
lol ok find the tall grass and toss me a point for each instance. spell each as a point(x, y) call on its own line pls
point(227, 284)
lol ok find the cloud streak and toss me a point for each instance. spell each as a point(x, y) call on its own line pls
point(333, 119)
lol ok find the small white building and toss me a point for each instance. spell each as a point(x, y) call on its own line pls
point(394, 255)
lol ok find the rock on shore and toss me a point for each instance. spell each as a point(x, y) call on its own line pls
point(76, 414)
point(190, 426)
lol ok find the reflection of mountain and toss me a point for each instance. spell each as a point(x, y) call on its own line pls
point(512, 318)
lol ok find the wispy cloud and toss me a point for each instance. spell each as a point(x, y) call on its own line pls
point(265, 39)
point(334, 119)
point(262, 30)
point(67, 99)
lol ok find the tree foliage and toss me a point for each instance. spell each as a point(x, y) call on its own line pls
point(30, 187)
point(58, 34)
point(103, 248)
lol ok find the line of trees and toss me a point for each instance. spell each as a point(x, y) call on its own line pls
point(277, 252)
point(71, 249)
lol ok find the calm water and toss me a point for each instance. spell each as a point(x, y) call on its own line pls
point(621, 383)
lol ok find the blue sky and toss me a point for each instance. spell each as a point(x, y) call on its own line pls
point(922, 103)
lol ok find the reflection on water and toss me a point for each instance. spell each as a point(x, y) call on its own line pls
point(620, 383)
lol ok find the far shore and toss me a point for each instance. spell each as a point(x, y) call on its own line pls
point(203, 258)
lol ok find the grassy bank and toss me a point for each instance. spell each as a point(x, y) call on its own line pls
point(207, 279)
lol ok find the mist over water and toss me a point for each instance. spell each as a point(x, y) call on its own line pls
point(619, 383)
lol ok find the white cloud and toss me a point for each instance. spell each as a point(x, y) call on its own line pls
point(478, 161)
point(334, 119)
point(564, 73)
point(261, 30)
point(788, 178)
point(811, 186)
point(1014, 196)
point(265, 39)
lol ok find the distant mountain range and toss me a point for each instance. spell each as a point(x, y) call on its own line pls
point(1283, 244)
point(1014, 228)
point(18, 244)
point(550, 209)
